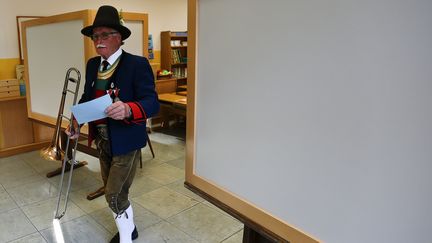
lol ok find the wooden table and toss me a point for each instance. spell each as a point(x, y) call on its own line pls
point(172, 103)
point(173, 98)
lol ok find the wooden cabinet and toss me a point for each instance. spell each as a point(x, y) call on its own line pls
point(174, 56)
point(18, 133)
point(168, 85)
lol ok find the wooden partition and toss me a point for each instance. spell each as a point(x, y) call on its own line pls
point(312, 119)
point(54, 44)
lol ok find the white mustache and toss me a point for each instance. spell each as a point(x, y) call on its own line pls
point(100, 46)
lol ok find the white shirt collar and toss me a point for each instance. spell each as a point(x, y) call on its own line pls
point(113, 57)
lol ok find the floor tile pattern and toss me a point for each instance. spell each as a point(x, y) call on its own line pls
point(164, 210)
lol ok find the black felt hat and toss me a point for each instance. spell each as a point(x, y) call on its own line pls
point(107, 16)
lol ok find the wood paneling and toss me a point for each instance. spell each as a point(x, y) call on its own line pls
point(18, 133)
point(42, 132)
point(16, 129)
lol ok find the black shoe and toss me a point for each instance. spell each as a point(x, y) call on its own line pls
point(116, 238)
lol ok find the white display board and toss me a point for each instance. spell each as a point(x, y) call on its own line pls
point(318, 113)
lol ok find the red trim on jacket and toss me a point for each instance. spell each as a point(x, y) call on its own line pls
point(138, 113)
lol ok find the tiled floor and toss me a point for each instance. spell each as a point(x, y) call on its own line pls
point(164, 210)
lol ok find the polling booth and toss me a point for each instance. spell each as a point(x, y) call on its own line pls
point(310, 121)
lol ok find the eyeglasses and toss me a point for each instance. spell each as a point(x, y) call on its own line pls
point(103, 35)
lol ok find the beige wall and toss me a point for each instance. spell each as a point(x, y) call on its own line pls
point(163, 15)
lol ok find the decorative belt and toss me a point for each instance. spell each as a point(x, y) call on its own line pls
point(102, 131)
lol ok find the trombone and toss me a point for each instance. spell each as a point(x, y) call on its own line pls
point(54, 151)
point(55, 142)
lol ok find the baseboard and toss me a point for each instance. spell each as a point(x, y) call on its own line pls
point(22, 148)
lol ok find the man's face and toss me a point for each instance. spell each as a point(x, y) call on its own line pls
point(106, 41)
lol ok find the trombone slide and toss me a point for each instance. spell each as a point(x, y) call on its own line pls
point(66, 159)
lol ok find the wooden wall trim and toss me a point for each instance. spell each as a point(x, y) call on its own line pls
point(23, 148)
point(241, 217)
point(190, 110)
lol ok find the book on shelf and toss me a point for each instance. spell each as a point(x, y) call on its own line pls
point(176, 56)
point(175, 43)
point(179, 72)
point(179, 33)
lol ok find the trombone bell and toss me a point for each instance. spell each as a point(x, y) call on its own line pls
point(52, 153)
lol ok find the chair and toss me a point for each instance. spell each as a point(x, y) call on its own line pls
point(151, 148)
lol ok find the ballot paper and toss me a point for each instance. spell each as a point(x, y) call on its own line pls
point(91, 110)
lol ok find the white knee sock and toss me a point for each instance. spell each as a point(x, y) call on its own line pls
point(125, 225)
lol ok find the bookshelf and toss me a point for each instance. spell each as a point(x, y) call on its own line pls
point(174, 56)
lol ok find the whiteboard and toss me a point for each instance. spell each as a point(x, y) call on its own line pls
point(316, 113)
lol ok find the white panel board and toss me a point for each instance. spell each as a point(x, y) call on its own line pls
point(319, 112)
point(134, 44)
point(51, 50)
